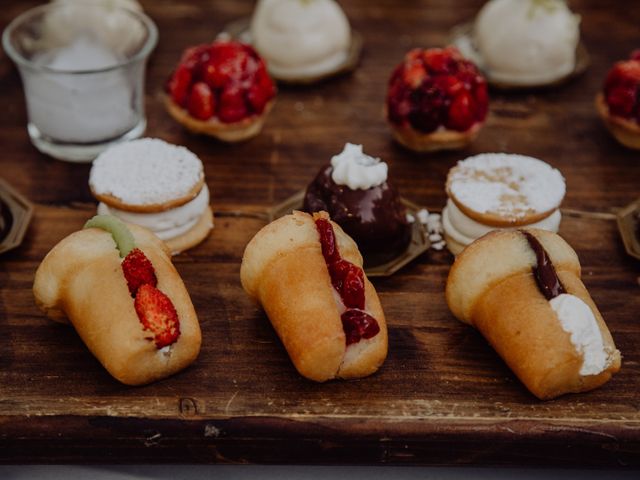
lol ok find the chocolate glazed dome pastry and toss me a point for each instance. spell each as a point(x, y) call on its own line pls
point(354, 189)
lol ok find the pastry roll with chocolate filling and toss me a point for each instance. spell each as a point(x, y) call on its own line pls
point(307, 275)
point(522, 290)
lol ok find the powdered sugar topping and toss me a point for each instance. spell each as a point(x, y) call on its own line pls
point(145, 172)
point(511, 186)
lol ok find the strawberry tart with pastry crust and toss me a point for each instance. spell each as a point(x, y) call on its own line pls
point(500, 191)
point(159, 186)
point(117, 286)
point(437, 100)
point(619, 102)
point(221, 89)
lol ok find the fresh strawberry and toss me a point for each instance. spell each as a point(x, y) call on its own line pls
point(232, 105)
point(622, 89)
point(428, 107)
point(201, 102)
point(178, 85)
point(635, 55)
point(138, 271)
point(461, 113)
point(622, 100)
point(195, 56)
point(437, 60)
point(414, 73)
point(213, 75)
point(229, 59)
point(450, 84)
point(158, 315)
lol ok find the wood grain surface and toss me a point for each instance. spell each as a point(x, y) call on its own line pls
point(443, 396)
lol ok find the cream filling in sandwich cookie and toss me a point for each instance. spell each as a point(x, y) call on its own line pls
point(301, 39)
point(169, 223)
point(465, 230)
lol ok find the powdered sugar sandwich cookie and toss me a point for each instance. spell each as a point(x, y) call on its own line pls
point(154, 184)
point(496, 191)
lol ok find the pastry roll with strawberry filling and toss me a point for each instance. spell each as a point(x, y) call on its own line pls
point(522, 290)
point(117, 286)
point(307, 275)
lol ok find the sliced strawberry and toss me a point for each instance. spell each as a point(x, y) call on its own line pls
point(232, 105)
point(461, 113)
point(158, 315)
point(201, 102)
point(178, 85)
point(138, 271)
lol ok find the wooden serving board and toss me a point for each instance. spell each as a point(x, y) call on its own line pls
point(443, 396)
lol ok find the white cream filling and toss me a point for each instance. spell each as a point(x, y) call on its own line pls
point(357, 170)
point(465, 230)
point(527, 41)
point(168, 224)
point(301, 38)
point(578, 320)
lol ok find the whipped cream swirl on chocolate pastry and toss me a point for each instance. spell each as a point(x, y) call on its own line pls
point(357, 170)
point(527, 41)
point(371, 213)
point(576, 317)
point(167, 224)
point(300, 38)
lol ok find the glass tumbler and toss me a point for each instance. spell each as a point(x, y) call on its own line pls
point(82, 69)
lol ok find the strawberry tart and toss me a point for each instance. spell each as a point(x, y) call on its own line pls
point(221, 89)
point(619, 102)
point(437, 100)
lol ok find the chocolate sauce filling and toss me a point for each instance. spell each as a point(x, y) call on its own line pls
point(544, 271)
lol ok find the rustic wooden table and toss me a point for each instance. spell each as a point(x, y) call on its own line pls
point(443, 396)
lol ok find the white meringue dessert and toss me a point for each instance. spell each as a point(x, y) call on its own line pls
point(301, 38)
point(527, 42)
